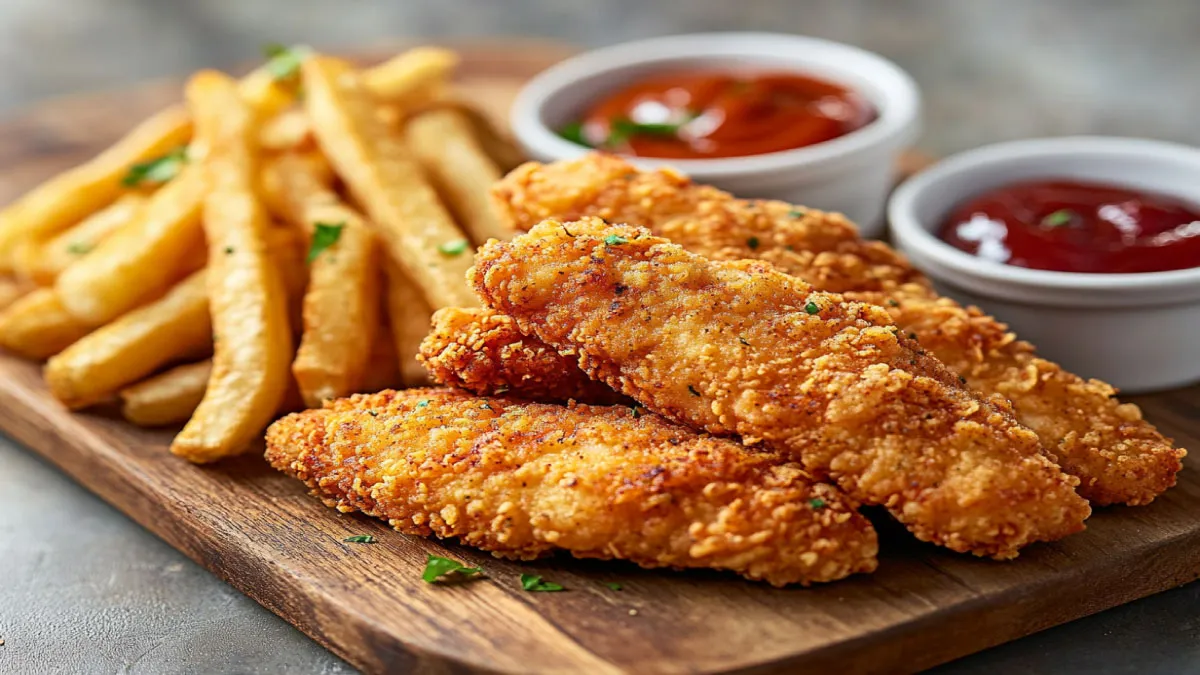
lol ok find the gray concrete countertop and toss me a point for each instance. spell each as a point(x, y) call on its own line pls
point(85, 590)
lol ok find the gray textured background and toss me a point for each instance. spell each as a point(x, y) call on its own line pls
point(82, 589)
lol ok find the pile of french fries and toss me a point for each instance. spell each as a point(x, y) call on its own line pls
point(276, 241)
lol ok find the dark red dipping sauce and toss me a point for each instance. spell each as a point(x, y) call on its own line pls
point(712, 114)
point(1077, 227)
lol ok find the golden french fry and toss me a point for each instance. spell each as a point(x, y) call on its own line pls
point(497, 144)
point(463, 174)
point(37, 326)
point(253, 343)
point(291, 182)
point(408, 78)
point(12, 290)
point(48, 259)
point(133, 346)
point(167, 398)
point(388, 182)
point(289, 130)
point(341, 307)
point(410, 318)
point(140, 260)
point(383, 372)
point(71, 196)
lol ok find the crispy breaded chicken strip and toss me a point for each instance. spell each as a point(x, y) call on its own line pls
point(1119, 457)
point(703, 220)
point(483, 352)
point(524, 479)
point(741, 348)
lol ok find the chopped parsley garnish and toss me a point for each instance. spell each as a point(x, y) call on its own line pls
point(637, 412)
point(752, 242)
point(612, 585)
point(373, 413)
point(456, 247)
point(228, 250)
point(360, 539)
point(423, 403)
point(1059, 218)
point(324, 236)
point(619, 131)
point(157, 170)
point(893, 303)
point(615, 240)
point(535, 583)
point(812, 307)
point(284, 62)
point(817, 503)
point(692, 391)
point(79, 248)
point(797, 212)
point(574, 132)
point(437, 567)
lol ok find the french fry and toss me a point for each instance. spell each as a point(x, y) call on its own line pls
point(253, 343)
point(383, 372)
point(46, 260)
point(167, 398)
point(37, 326)
point(71, 196)
point(444, 143)
point(410, 78)
point(388, 182)
point(410, 317)
point(134, 346)
point(11, 290)
point(498, 145)
point(288, 131)
point(341, 307)
point(140, 260)
point(286, 197)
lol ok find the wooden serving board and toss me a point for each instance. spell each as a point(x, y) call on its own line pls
point(261, 532)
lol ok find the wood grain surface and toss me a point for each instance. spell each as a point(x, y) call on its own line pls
point(261, 532)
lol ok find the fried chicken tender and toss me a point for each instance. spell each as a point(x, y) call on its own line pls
point(739, 348)
point(1119, 457)
point(483, 352)
point(525, 479)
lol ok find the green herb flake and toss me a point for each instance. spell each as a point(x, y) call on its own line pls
point(360, 539)
point(423, 403)
point(812, 307)
point(452, 248)
point(79, 248)
point(535, 584)
point(157, 170)
point(228, 250)
point(438, 568)
point(373, 413)
point(752, 242)
point(743, 341)
point(817, 503)
point(324, 236)
point(615, 240)
point(1059, 218)
point(283, 63)
point(612, 585)
point(574, 132)
point(893, 303)
point(692, 391)
point(797, 212)
point(637, 412)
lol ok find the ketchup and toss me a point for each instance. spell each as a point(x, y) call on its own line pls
point(710, 114)
point(1077, 227)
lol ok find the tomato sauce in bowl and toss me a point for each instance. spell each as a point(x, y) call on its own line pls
point(716, 114)
point(1068, 226)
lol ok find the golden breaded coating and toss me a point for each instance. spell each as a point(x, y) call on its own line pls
point(741, 348)
point(525, 479)
point(703, 219)
point(483, 352)
point(1118, 456)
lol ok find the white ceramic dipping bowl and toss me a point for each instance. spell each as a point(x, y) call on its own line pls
point(1139, 332)
point(851, 174)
